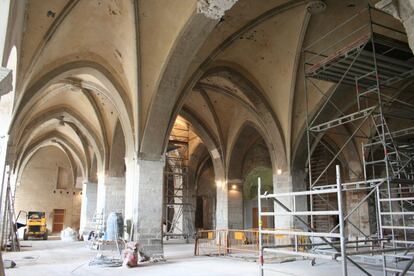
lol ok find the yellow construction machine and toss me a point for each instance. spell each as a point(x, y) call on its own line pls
point(35, 224)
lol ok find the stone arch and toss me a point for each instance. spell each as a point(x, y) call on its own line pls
point(208, 138)
point(108, 86)
point(269, 125)
point(48, 182)
point(75, 121)
point(117, 155)
point(349, 158)
point(232, 149)
point(211, 146)
point(239, 174)
point(7, 100)
point(115, 178)
point(161, 114)
point(206, 194)
point(6, 106)
point(200, 157)
point(75, 157)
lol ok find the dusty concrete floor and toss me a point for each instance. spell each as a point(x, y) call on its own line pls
point(57, 258)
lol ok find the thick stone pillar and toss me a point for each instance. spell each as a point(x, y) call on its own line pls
point(111, 194)
point(222, 205)
point(88, 207)
point(235, 199)
point(282, 183)
point(101, 194)
point(222, 213)
point(131, 190)
point(301, 204)
point(148, 206)
point(114, 194)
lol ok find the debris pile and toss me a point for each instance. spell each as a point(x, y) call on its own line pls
point(68, 235)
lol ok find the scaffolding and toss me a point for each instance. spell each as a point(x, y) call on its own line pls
point(177, 206)
point(371, 57)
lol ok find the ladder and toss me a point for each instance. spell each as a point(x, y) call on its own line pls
point(9, 236)
point(98, 223)
point(382, 155)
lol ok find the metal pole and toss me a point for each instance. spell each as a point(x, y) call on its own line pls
point(308, 138)
point(342, 148)
point(341, 221)
point(403, 216)
point(259, 210)
point(322, 238)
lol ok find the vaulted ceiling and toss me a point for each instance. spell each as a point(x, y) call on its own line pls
point(83, 66)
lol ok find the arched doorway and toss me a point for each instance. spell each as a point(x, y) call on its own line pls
point(249, 160)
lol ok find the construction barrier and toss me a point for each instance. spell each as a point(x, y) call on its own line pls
point(230, 241)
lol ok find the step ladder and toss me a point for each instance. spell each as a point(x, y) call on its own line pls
point(9, 236)
point(98, 224)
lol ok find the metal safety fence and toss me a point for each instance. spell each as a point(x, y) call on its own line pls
point(238, 241)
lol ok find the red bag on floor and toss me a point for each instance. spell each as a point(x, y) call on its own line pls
point(131, 254)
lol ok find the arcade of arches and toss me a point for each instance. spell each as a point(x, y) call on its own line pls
point(97, 96)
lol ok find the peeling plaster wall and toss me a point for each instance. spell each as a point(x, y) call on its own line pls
point(37, 190)
point(214, 9)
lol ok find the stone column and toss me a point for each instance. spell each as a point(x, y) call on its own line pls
point(148, 206)
point(101, 195)
point(88, 207)
point(131, 190)
point(298, 184)
point(282, 183)
point(115, 195)
point(222, 213)
point(235, 199)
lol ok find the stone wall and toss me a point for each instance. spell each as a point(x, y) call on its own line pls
point(37, 190)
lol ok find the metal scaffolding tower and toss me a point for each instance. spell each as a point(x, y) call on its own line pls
point(372, 59)
point(176, 202)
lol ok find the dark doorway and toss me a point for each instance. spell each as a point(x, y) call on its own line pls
point(199, 213)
